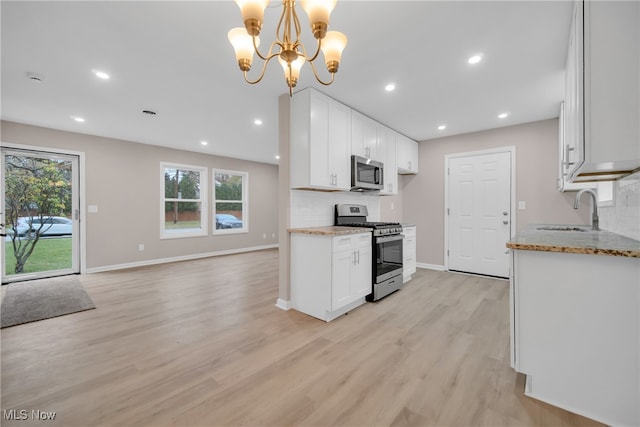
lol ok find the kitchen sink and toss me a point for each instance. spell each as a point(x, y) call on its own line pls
point(564, 228)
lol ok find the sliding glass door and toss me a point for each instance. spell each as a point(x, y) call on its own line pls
point(40, 215)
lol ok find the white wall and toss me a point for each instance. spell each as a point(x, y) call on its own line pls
point(536, 174)
point(122, 179)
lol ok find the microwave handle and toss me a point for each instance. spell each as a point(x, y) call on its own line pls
point(378, 178)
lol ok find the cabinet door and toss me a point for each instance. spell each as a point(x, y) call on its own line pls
point(361, 274)
point(343, 264)
point(320, 172)
point(573, 154)
point(388, 144)
point(364, 136)
point(407, 151)
point(338, 144)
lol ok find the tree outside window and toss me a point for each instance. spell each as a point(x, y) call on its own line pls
point(183, 212)
point(230, 206)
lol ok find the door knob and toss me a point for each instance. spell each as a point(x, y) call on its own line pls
point(505, 213)
point(505, 222)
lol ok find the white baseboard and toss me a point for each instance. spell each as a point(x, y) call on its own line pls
point(179, 258)
point(430, 266)
point(283, 305)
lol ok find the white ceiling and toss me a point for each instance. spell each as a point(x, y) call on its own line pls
point(173, 57)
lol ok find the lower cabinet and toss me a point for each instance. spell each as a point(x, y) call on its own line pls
point(408, 252)
point(575, 331)
point(330, 275)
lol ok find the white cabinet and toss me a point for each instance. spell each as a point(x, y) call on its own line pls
point(602, 94)
point(566, 155)
point(365, 140)
point(408, 252)
point(320, 134)
point(330, 275)
point(407, 155)
point(575, 332)
point(388, 144)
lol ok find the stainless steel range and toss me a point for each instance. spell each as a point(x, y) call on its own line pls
point(387, 248)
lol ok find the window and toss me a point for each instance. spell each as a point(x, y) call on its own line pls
point(183, 207)
point(230, 207)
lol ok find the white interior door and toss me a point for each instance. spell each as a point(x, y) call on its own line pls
point(479, 213)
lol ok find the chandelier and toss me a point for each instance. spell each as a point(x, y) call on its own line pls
point(287, 46)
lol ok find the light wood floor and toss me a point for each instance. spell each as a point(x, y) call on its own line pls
point(201, 343)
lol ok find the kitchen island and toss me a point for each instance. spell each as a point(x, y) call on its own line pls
point(575, 303)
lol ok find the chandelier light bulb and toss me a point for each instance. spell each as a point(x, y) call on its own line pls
point(252, 14)
point(332, 46)
point(292, 77)
point(243, 45)
point(318, 12)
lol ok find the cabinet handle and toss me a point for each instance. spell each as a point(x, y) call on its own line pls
point(358, 256)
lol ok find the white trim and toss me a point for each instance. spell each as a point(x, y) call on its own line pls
point(430, 266)
point(204, 207)
point(82, 195)
point(178, 258)
point(283, 305)
point(244, 202)
point(507, 149)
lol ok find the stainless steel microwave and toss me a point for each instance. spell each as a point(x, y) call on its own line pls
point(366, 174)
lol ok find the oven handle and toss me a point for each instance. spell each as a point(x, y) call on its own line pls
point(393, 238)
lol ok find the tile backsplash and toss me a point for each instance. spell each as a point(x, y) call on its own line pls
point(624, 216)
point(316, 208)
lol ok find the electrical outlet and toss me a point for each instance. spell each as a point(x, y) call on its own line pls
point(264, 235)
point(273, 235)
point(141, 247)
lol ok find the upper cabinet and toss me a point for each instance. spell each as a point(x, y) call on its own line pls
point(325, 133)
point(388, 143)
point(407, 153)
point(601, 138)
point(365, 141)
point(320, 142)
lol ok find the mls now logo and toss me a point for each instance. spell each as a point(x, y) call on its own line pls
point(14, 414)
point(23, 414)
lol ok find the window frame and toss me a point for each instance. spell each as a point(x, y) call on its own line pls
point(204, 207)
point(244, 201)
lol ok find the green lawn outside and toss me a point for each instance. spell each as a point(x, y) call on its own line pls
point(49, 254)
point(170, 225)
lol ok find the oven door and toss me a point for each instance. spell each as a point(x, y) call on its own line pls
point(388, 257)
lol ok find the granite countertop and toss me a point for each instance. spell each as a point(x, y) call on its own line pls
point(406, 224)
point(330, 230)
point(542, 237)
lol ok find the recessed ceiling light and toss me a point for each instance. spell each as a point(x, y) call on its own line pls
point(204, 143)
point(475, 59)
point(78, 119)
point(277, 157)
point(390, 87)
point(442, 127)
point(257, 122)
point(503, 115)
point(101, 74)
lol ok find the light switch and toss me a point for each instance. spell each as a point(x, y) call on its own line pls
point(92, 208)
point(522, 205)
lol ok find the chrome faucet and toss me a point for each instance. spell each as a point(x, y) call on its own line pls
point(595, 222)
